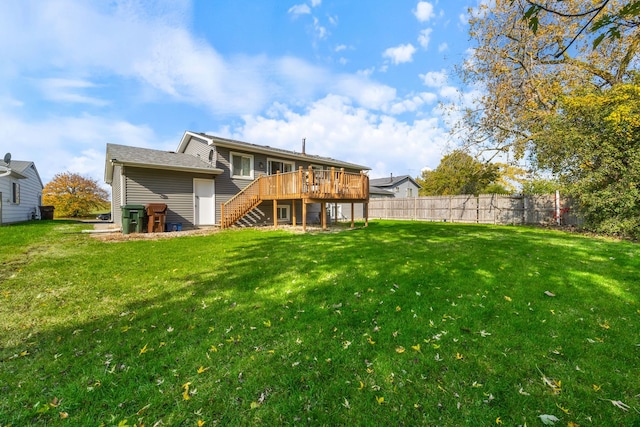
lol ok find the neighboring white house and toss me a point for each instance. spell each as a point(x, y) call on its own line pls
point(20, 192)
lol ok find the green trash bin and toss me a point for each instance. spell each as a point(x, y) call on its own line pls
point(132, 218)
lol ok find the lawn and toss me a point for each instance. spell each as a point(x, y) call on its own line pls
point(400, 323)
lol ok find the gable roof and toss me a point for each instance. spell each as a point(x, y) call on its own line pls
point(392, 181)
point(265, 149)
point(153, 159)
point(19, 168)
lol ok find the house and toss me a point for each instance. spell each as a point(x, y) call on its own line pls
point(20, 191)
point(394, 186)
point(211, 180)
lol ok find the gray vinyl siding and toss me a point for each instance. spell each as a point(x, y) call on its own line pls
point(200, 149)
point(226, 187)
point(30, 197)
point(175, 189)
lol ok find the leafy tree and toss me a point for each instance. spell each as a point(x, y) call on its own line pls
point(74, 195)
point(598, 156)
point(458, 173)
point(541, 186)
point(610, 23)
point(520, 75)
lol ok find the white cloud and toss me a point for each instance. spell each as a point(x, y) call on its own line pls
point(299, 9)
point(334, 127)
point(424, 11)
point(443, 47)
point(315, 3)
point(74, 144)
point(400, 54)
point(434, 78)
point(412, 103)
point(66, 90)
point(321, 31)
point(425, 37)
point(280, 99)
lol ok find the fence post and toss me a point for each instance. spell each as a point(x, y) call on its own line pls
point(558, 207)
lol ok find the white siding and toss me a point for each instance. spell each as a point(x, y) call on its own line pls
point(30, 197)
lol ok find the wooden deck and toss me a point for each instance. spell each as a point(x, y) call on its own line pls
point(307, 186)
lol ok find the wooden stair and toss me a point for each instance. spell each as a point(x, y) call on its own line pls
point(240, 204)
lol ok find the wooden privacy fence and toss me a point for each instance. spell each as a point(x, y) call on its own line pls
point(482, 209)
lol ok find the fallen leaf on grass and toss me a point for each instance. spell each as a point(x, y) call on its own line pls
point(380, 400)
point(200, 423)
point(565, 410)
point(507, 298)
point(185, 395)
point(346, 403)
point(143, 349)
point(620, 404)
point(202, 369)
point(549, 294)
point(416, 347)
point(400, 349)
point(548, 420)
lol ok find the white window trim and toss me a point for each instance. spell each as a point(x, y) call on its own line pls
point(251, 168)
point(271, 159)
point(287, 211)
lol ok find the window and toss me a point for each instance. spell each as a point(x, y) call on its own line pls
point(409, 192)
point(15, 193)
point(241, 166)
point(273, 166)
point(283, 213)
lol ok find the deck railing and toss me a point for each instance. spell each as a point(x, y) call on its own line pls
point(307, 184)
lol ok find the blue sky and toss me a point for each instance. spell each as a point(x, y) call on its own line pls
point(361, 81)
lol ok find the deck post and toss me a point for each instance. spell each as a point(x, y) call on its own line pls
point(366, 214)
point(335, 213)
point(300, 183)
point(304, 215)
point(222, 219)
point(352, 214)
point(332, 181)
point(323, 214)
point(275, 213)
point(293, 212)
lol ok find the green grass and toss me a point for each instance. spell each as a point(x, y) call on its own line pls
point(400, 323)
